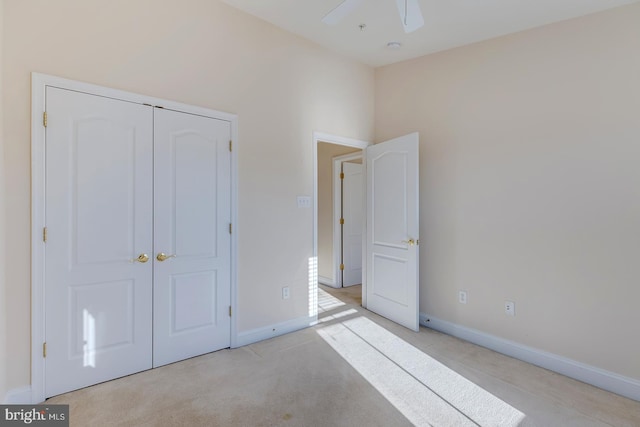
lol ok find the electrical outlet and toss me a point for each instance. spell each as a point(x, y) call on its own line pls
point(462, 297)
point(285, 292)
point(510, 308)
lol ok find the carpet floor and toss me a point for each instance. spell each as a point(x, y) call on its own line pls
point(353, 368)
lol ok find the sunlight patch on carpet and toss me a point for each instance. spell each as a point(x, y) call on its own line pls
point(327, 302)
point(425, 391)
point(336, 316)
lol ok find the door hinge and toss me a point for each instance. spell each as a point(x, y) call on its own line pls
point(44, 349)
point(341, 266)
point(230, 228)
point(341, 221)
point(341, 175)
point(44, 234)
point(44, 119)
point(230, 145)
point(229, 311)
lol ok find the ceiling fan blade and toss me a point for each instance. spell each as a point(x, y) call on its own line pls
point(340, 11)
point(410, 15)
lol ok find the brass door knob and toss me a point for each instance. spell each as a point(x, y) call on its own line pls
point(163, 257)
point(142, 258)
point(409, 242)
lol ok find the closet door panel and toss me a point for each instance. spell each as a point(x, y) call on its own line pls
point(98, 217)
point(192, 213)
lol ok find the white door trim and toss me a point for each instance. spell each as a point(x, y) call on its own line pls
point(337, 212)
point(39, 82)
point(338, 140)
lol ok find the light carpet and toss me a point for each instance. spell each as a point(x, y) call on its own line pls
point(352, 369)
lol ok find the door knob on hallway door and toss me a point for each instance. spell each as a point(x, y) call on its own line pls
point(409, 242)
point(163, 257)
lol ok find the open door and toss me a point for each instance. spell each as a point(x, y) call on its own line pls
point(392, 230)
point(352, 216)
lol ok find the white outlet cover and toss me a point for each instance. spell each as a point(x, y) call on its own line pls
point(462, 297)
point(510, 308)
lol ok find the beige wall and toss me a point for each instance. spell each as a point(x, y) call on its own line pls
point(529, 183)
point(326, 153)
point(3, 332)
point(198, 52)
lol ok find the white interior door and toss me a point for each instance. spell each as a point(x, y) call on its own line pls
point(98, 210)
point(192, 201)
point(392, 230)
point(352, 213)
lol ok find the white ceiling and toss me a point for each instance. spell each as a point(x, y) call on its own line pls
point(448, 23)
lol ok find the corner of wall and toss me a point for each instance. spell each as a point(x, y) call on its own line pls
point(3, 331)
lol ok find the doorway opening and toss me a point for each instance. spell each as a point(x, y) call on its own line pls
point(340, 215)
point(337, 231)
point(390, 235)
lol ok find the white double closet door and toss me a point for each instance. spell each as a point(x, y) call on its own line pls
point(137, 256)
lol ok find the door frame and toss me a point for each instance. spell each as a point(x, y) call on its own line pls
point(338, 244)
point(337, 140)
point(39, 83)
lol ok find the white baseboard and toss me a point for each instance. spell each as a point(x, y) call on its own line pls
point(624, 386)
point(23, 395)
point(260, 334)
point(327, 281)
point(19, 396)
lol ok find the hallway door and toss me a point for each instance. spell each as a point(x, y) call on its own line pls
point(352, 214)
point(393, 230)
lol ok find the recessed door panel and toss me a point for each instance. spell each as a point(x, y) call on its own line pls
point(388, 274)
point(98, 211)
point(389, 171)
point(101, 317)
point(194, 301)
point(192, 205)
point(194, 171)
point(102, 180)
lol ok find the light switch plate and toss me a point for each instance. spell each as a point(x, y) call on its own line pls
point(304, 201)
